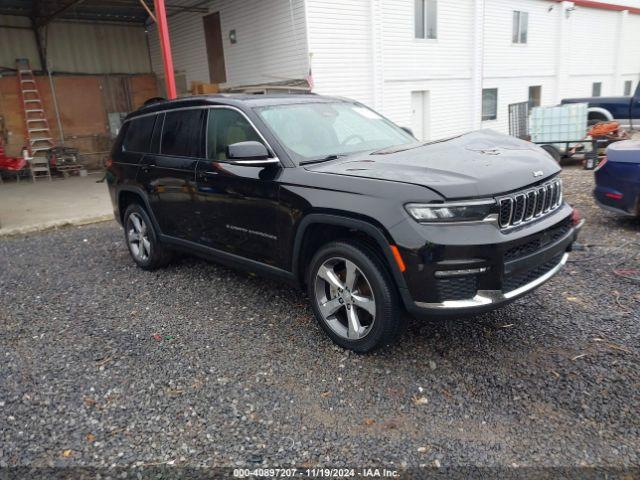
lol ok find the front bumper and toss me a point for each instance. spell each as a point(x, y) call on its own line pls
point(511, 277)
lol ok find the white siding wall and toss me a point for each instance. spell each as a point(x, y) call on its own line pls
point(592, 51)
point(366, 50)
point(630, 54)
point(442, 66)
point(188, 48)
point(512, 68)
point(271, 42)
point(340, 44)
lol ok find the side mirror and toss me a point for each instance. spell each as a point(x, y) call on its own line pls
point(250, 154)
point(409, 131)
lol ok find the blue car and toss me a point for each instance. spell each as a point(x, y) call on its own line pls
point(618, 179)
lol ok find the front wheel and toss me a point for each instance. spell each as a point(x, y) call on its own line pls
point(142, 240)
point(353, 297)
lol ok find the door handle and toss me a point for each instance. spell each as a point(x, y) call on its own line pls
point(208, 174)
point(146, 168)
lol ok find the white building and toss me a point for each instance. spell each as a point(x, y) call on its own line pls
point(441, 67)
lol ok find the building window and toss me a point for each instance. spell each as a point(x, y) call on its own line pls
point(627, 88)
point(520, 26)
point(426, 19)
point(489, 103)
point(596, 89)
point(534, 96)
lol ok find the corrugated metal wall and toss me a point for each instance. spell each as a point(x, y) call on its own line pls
point(78, 47)
point(96, 48)
point(15, 43)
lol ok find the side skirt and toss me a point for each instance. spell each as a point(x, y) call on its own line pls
point(230, 259)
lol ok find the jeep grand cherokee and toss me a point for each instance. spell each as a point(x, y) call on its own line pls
point(334, 198)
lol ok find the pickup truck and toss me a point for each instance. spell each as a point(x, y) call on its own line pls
point(625, 110)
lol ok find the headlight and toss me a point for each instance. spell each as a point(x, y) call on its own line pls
point(451, 212)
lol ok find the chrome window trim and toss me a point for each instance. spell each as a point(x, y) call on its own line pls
point(229, 107)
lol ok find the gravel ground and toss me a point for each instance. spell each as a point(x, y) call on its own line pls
point(199, 365)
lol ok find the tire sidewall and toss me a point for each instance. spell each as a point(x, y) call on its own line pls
point(379, 282)
point(153, 239)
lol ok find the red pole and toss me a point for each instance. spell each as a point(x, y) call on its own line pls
point(167, 60)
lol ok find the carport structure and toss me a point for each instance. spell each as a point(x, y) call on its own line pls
point(92, 66)
point(42, 12)
point(82, 38)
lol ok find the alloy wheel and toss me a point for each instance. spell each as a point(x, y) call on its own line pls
point(138, 237)
point(345, 298)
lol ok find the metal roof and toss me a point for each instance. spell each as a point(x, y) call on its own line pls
point(127, 11)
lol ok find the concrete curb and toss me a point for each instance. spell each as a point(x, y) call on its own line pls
point(66, 222)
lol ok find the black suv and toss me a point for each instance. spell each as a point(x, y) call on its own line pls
point(334, 198)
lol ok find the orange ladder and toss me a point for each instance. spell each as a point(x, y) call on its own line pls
point(37, 131)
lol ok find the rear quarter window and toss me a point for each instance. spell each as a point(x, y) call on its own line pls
point(182, 133)
point(137, 135)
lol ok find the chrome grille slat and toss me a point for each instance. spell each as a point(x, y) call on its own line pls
point(518, 209)
point(530, 205)
point(547, 199)
point(527, 205)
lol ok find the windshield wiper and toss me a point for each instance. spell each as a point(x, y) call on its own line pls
point(322, 159)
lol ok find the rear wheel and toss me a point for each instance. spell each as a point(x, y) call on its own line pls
point(142, 240)
point(353, 297)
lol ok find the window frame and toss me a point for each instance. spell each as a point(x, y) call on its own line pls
point(270, 149)
point(272, 153)
point(482, 114)
point(161, 135)
point(539, 87)
point(126, 126)
point(593, 89)
point(517, 33)
point(425, 20)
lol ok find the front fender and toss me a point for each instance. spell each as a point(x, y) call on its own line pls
point(382, 239)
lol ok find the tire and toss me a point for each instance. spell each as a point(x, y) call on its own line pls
point(378, 323)
point(142, 239)
point(553, 151)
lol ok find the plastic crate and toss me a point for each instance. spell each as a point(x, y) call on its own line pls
point(560, 123)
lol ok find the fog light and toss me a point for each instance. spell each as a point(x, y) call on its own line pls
point(460, 272)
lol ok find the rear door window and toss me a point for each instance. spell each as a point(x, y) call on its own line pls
point(182, 133)
point(227, 126)
point(137, 136)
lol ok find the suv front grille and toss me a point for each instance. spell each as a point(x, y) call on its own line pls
point(539, 240)
point(512, 282)
point(527, 205)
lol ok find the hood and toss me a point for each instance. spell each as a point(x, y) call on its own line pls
point(595, 101)
point(477, 164)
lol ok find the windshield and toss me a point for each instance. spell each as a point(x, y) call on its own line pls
point(314, 131)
